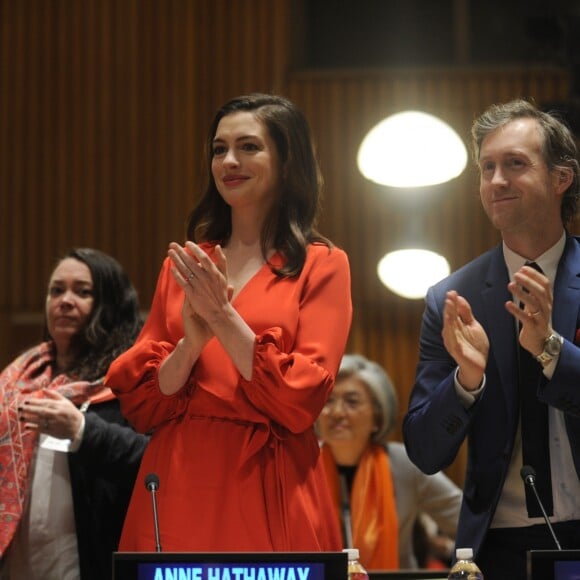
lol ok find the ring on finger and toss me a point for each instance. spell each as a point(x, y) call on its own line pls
point(191, 277)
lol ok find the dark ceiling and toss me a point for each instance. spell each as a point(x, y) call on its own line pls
point(386, 33)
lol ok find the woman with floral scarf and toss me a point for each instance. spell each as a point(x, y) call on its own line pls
point(68, 459)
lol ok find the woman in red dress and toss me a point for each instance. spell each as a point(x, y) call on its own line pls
point(239, 353)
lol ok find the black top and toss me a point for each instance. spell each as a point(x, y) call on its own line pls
point(102, 474)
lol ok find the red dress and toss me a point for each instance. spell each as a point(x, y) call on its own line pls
point(238, 461)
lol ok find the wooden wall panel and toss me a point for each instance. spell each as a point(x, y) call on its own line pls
point(95, 96)
point(242, 46)
point(104, 106)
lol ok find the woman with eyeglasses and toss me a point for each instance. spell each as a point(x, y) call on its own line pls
point(378, 493)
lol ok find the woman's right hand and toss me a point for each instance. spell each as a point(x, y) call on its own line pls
point(196, 330)
point(50, 413)
point(204, 282)
point(176, 368)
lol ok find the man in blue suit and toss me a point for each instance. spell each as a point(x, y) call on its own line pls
point(485, 318)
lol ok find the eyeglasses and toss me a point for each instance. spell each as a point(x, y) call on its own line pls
point(350, 403)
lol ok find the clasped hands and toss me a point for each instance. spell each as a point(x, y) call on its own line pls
point(466, 340)
point(205, 285)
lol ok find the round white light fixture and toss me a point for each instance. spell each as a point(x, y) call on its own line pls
point(410, 273)
point(411, 149)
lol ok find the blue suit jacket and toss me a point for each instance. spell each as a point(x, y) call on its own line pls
point(436, 422)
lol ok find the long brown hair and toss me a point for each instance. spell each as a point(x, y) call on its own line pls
point(114, 321)
point(291, 224)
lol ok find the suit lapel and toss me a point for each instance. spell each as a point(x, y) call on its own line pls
point(566, 311)
point(500, 325)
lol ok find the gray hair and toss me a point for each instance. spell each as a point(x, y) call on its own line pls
point(381, 388)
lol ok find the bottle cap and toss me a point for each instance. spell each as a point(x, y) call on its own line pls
point(464, 553)
point(353, 553)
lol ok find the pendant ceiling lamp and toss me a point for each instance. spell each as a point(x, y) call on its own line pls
point(411, 149)
point(410, 272)
point(406, 150)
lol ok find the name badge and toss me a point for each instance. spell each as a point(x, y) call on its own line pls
point(54, 444)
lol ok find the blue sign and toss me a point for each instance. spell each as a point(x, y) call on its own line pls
point(232, 571)
point(567, 570)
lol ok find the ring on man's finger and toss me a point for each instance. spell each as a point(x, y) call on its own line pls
point(534, 313)
point(191, 277)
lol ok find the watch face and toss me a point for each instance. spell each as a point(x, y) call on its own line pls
point(553, 345)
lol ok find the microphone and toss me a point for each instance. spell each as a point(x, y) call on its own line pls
point(345, 511)
point(152, 485)
point(528, 474)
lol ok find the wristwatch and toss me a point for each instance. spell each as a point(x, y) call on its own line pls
point(552, 347)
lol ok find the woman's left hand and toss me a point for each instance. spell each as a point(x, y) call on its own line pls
point(52, 414)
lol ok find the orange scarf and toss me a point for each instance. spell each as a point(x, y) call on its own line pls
point(375, 528)
point(29, 373)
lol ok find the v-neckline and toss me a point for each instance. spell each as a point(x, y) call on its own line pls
point(275, 260)
point(249, 281)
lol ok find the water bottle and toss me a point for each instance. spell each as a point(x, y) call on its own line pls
point(356, 570)
point(464, 568)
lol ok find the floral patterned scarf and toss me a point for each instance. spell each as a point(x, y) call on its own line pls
point(29, 373)
point(375, 528)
